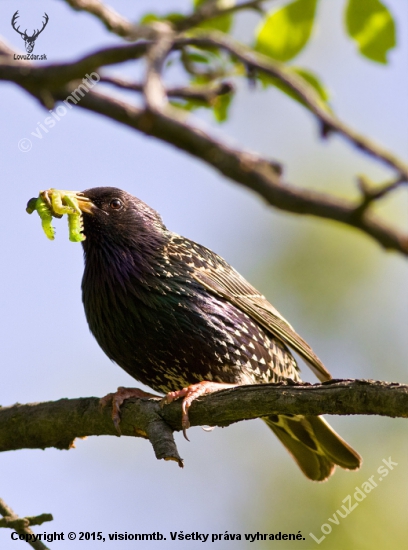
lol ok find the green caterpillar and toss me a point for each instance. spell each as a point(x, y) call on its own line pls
point(55, 203)
point(45, 213)
point(75, 225)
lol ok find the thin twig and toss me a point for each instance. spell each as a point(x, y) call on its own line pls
point(210, 10)
point(246, 168)
point(24, 522)
point(204, 93)
point(48, 84)
point(372, 193)
point(153, 88)
point(112, 20)
point(54, 76)
point(119, 25)
point(22, 525)
point(262, 63)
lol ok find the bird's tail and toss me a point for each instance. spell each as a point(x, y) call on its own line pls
point(315, 446)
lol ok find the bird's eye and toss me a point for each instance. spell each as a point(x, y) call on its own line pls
point(116, 204)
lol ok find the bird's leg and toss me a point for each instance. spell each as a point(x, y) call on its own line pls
point(117, 398)
point(190, 394)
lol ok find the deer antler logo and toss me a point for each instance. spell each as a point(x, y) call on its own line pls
point(29, 40)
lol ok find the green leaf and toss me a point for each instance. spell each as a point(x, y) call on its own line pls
point(189, 104)
point(309, 78)
point(149, 18)
point(222, 23)
point(208, 65)
point(221, 105)
point(197, 57)
point(286, 31)
point(371, 25)
point(313, 80)
point(172, 17)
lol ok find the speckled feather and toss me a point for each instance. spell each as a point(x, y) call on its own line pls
point(179, 333)
point(173, 313)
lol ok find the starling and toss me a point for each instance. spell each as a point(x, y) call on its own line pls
point(178, 318)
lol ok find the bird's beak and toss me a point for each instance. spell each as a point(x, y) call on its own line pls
point(85, 204)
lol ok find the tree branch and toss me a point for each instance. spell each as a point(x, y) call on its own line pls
point(56, 75)
point(205, 93)
point(58, 423)
point(250, 170)
point(24, 522)
point(329, 121)
point(112, 20)
point(117, 24)
point(372, 193)
point(55, 82)
point(210, 10)
point(22, 525)
point(153, 89)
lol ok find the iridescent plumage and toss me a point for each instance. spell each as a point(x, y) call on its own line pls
point(173, 313)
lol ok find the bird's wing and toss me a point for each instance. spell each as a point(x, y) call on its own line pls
point(219, 278)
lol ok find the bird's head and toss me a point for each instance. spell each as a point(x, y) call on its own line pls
point(116, 218)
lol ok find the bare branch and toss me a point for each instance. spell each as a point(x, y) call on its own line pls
point(58, 423)
point(22, 525)
point(205, 93)
point(5, 50)
point(117, 24)
point(372, 193)
point(305, 93)
point(262, 175)
point(210, 10)
point(24, 522)
point(153, 89)
point(112, 20)
point(56, 75)
point(254, 172)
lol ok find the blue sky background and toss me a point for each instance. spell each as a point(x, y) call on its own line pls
point(342, 293)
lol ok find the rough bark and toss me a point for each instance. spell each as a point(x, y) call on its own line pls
point(58, 423)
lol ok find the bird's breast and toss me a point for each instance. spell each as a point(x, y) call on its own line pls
point(168, 331)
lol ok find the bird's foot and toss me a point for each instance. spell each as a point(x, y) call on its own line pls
point(117, 398)
point(190, 394)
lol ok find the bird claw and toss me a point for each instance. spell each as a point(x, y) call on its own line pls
point(190, 394)
point(185, 421)
point(117, 398)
